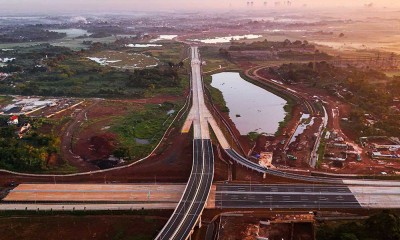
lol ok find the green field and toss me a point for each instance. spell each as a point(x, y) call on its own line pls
point(147, 125)
point(125, 60)
point(5, 100)
point(169, 52)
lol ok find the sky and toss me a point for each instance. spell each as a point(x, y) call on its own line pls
point(69, 6)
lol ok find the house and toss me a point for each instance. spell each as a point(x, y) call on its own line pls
point(3, 75)
point(13, 120)
point(24, 129)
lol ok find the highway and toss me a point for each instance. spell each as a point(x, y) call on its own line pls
point(340, 193)
point(191, 205)
point(285, 196)
point(95, 193)
point(306, 196)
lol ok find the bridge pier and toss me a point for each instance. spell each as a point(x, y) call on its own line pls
point(200, 221)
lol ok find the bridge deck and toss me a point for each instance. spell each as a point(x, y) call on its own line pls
point(95, 193)
point(194, 198)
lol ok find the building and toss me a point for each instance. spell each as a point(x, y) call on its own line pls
point(13, 120)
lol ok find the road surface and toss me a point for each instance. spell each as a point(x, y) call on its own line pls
point(96, 193)
point(86, 207)
point(189, 209)
point(284, 196)
point(307, 196)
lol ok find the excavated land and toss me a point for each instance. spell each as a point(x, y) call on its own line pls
point(86, 139)
point(173, 165)
point(277, 227)
point(367, 166)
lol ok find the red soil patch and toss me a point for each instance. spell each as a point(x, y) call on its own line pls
point(96, 147)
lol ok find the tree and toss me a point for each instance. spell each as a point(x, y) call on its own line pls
point(122, 152)
point(384, 226)
point(348, 236)
point(286, 42)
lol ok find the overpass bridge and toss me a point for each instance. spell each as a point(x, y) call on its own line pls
point(191, 205)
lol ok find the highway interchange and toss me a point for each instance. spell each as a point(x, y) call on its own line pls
point(340, 193)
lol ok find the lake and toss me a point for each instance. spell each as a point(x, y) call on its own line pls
point(252, 109)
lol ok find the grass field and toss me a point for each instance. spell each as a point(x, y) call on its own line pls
point(125, 60)
point(214, 61)
point(169, 52)
point(139, 131)
point(5, 100)
point(216, 94)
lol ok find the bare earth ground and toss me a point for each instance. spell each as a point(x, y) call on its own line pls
point(367, 165)
point(85, 136)
point(173, 165)
point(248, 227)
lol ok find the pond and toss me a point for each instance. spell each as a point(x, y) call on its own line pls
point(252, 108)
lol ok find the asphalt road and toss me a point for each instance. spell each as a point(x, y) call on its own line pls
point(189, 194)
point(256, 167)
point(201, 199)
point(284, 196)
point(194, 198)
point(307, 178)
